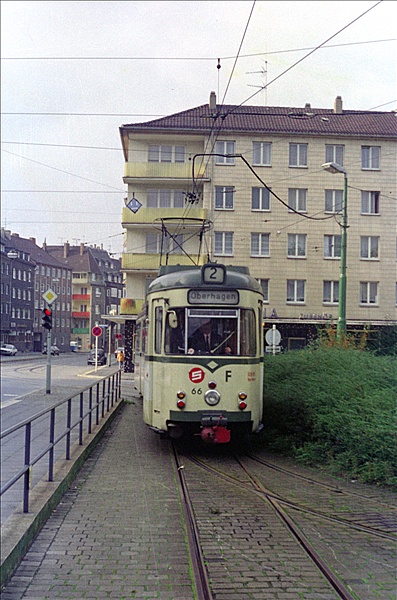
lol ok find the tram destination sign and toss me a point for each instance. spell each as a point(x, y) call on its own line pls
point(222, 297)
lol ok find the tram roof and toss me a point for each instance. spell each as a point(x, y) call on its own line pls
point(190, 277)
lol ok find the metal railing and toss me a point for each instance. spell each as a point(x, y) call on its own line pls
point(77, 411)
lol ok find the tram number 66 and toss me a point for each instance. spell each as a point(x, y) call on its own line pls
point(197, 391)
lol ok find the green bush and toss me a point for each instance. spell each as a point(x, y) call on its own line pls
point(335, 408)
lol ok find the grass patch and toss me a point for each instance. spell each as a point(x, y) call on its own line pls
point(335, 408)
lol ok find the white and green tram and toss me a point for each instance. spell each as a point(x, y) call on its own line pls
point(199, 352)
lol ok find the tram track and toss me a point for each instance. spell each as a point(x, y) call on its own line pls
point(203, 589)
point(241, 473)
point(262, 490)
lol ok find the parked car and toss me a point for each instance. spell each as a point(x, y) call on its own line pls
point(101, 360)
point(8, 349)
point(54, 350)
point(119, 349)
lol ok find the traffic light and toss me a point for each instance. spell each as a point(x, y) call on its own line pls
point(46, 319)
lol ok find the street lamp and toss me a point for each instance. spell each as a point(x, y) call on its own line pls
point(341, 325)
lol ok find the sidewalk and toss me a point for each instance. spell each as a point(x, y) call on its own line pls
point(20, 529)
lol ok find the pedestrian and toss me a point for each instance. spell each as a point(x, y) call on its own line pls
point(120, 359)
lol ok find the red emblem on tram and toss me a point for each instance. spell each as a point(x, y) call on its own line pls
point(196, 375)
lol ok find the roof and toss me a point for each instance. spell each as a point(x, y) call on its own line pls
point(37, 254)
point(76, 260)
point(274, 120)
point(191, 277)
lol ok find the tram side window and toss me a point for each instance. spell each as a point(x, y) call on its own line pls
point(138, 338)
point(247, 333)
point(158, 329)
point(174, 331)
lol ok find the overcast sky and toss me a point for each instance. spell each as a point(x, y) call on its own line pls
point(99, 65)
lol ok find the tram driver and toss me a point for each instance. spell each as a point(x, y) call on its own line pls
point(206, 341)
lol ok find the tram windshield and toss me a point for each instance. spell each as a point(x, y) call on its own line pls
point(198, 331)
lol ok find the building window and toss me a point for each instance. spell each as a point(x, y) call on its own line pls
point(264, 283)
point(331, 292)
point(260, 198)
point(166, 153)
point(370, 157)
point(369, 247)
point(165, 198)
point(296, 290)
point(260, 244)
point(298, 155)
point(261, 154)
point(334, 153)
point(296, 245)
point(156, 243)
point(224, 197)
point(370, 203)
point(224, 147)
point(369, 292)
point(332, 246)
point(297, 200)
point(333, 201)
point(223, 243)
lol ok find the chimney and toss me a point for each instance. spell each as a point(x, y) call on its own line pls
point(66, 249)
point(308, 106)
point(212, 103)
point(44, 246)
point(81, 248)
point(32, 239)
point(338, 105)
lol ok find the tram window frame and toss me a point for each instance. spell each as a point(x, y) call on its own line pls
point(158, 329)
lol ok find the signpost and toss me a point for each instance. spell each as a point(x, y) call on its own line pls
point(96, 332)
point(49, 296)
point(273, 338)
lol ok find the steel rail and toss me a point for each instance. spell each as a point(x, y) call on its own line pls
point(334, 581)
point(293, 505)
point(203, 588)
point(337, 490)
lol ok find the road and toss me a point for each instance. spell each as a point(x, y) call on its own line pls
point(23, 388)
point(24, 374)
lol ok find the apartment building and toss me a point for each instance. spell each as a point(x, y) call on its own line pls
point(17, 293)
point(96, 289)
point(245, 185)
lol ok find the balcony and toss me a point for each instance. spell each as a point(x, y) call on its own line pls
point(161, 170)
point(80, 330)
point(81, 297)
point(80, 315)
point(146, 216)
point(151, 262)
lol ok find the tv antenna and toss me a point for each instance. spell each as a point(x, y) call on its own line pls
point(263, 72)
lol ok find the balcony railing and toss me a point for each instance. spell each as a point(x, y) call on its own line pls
point(148, 215)
point(154, 170)
point(81, 297)
point(151, 262)
point(80, 315)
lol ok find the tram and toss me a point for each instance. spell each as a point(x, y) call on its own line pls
point(199, 352)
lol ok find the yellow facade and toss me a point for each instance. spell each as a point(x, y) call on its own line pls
point(276, 224)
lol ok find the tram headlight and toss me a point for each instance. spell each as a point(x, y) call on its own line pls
point(212, 397)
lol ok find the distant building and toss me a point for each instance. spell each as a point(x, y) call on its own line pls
point(47, 274)
point(255, 173)
point(17, 294)
point(96, 289)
